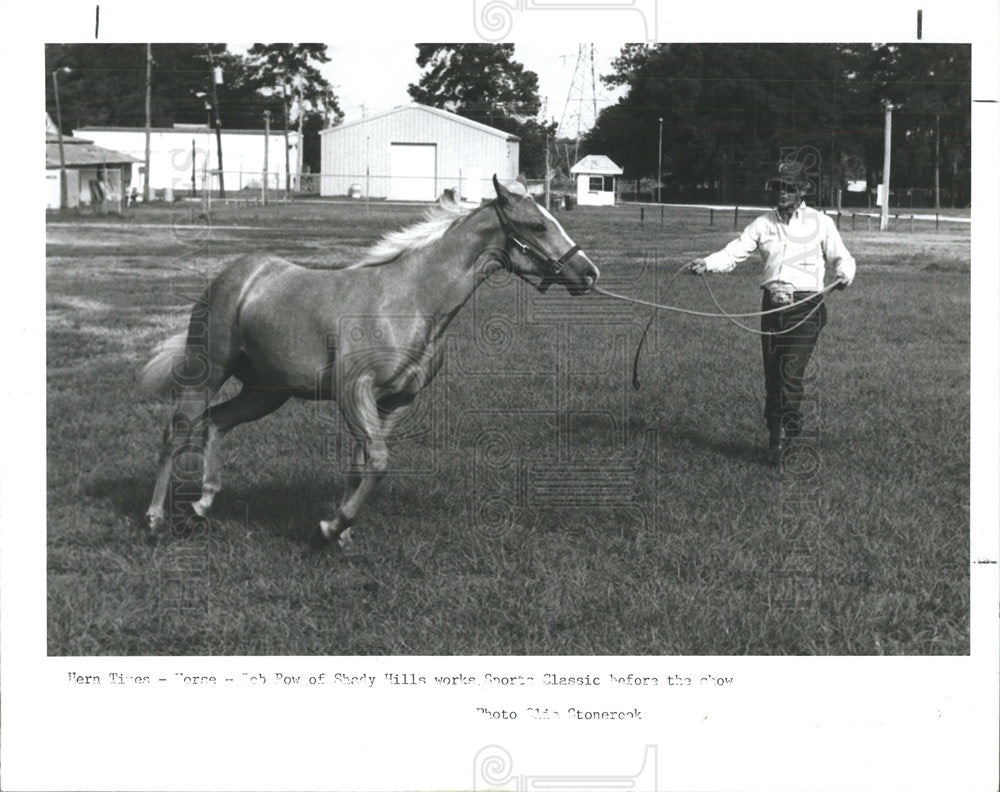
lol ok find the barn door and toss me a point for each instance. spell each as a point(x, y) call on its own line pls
point(412, 168)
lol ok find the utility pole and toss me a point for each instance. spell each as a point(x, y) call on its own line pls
point(659, 167)
point(63, 187)
point(149, 118)
point(288, 171)
point(267, 140)
point(937, 160)
point(548, 190)
point(884, 219)
point(298, 164)
point(217, 80)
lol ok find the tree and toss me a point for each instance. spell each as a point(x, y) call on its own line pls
point(730, 111)
point(484, 83)
point(107, 86)
point(289, 72)
point(929, 86)
point(478, 81)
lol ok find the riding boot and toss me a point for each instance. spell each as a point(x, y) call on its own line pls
point(775, 445)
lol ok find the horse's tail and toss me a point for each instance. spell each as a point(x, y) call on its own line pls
point(161, 371)
point(179, 360)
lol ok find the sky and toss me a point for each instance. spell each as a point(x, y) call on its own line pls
point(368, 80)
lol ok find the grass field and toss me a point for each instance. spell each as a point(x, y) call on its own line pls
point(536, 504)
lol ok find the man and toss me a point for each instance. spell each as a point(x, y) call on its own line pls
point(795, 244)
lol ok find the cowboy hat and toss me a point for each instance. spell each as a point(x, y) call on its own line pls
point(793, 173)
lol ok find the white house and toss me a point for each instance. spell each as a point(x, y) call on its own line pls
point(414, 153)
point(595, 180)
point(183, 158)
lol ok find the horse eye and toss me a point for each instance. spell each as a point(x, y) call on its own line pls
point(538, 228)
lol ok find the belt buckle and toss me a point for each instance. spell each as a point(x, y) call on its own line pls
point(781, 293)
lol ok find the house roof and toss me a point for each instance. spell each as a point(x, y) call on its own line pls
point(433, 111)
point(597, 163)
point(79, 153)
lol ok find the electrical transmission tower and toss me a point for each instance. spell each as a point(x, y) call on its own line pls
point(580, 111)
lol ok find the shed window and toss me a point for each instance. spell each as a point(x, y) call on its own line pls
point(602, 184)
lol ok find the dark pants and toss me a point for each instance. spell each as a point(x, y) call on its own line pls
point(786, 357)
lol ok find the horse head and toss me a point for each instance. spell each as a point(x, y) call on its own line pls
point(538, 244)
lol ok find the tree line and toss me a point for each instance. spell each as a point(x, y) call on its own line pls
point(106, 86)
point(726, 112)
point(730, 111)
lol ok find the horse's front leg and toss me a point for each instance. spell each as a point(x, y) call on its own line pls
point(371, 459)
point(371, 429)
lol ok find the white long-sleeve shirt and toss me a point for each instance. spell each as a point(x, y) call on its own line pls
point(795, 252)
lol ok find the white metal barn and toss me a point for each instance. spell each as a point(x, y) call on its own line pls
point(595, 180)
point(414, 153)
point(183, 157)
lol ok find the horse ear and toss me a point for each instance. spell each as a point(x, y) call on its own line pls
point(503, 194)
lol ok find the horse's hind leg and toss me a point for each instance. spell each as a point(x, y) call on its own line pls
point(179, 439)
point(249, 404)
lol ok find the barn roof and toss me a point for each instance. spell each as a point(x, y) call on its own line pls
point(597, 163)
point(80, 152)
point(433, 111)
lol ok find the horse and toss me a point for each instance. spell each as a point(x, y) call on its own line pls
point(280, 330)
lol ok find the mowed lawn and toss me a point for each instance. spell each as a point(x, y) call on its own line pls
point(536, 503)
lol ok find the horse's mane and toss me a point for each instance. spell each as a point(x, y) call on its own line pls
point(437, 220)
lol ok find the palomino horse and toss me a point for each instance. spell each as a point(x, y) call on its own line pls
point(279, 329)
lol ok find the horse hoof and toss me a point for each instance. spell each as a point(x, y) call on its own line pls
point(345, 541)
point(318, 539)
point(156, 521)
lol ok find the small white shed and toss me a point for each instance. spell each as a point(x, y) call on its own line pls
point(595, 180)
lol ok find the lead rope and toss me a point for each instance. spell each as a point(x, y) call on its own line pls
point(802, 321)
point(723, 314)
point(642, 339)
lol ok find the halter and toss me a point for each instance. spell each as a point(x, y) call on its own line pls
point(552, 267)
